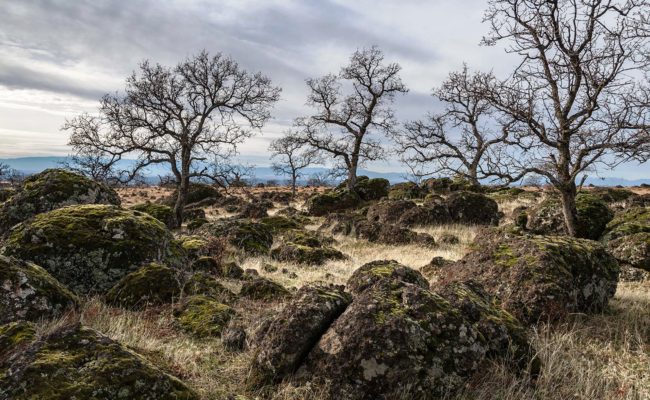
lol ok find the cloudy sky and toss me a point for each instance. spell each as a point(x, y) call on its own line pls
point(58, 57)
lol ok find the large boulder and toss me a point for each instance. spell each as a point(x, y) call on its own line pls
point(198, 194)
point(472, 208)
point(538, 278)
point(372, 189)
point(161, 212)
point(332, 201)
point(263, 289)
point(593, 215)
point(407, 213)
point(80, 363)
point(395, 340)
point(292, 333)
point(28, 292)
point(152, 284)
point(248, 236)
point(383, 271)
point(89, 248)
point(628, 237)
point(49, 190)
point(254, 210)
point(389, 212)
point(394, 235)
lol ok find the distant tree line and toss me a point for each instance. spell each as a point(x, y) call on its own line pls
point(579, 98)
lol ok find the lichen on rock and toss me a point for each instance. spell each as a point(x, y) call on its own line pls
point(89, 248)
point(203, 316)
point(152, 284)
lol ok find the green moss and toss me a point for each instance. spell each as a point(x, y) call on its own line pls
point(203, 316)
point(152, 284)
point(305, 254)
point(593, 217)
point(90, 247)
point(263, 289)
point(161, 212)
point(405, 191)
point(243, 234)
point(203, 284)
point(79, 363)
point(336, 200)
point(15, 334)
point(278, 223)
point(504, 255)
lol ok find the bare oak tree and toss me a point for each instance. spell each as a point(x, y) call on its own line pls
point(291, 158)
point(189, 118)
point(578, 98)
point(344, 124)
point(464, 139)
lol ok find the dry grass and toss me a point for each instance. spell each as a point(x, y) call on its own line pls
point(604, 356)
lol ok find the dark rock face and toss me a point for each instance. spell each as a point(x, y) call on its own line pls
point(303, 254)
point(391, 234)
point(253, 211)
point(628, 237)
point(383, 271)
point(259, 288)
point(539, 278)
point(372, 189)
point(152, 284)
point(28, 292)
point(49, 190)
point(405, 191)
point(333, 201)
point(396, 339)
point(89, 248)
point(79, 363)
point(291, 335)
point(472, 208)
point(435, 266)
point(593, 216)
point(389, 212)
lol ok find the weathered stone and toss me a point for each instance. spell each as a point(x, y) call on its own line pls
point(302, 254)
point(383, 271)
point(233, 337)
point(161, 212)
point(250, 237)
point(80, 363)
point(259, 288)
point(472, 208)
point(333, 201)
point(203, 284)
point(28, 292)
point(89, 248)
point(627, 237)
point(203, 316)
point(405, 191)
point(539, 278)
point(290, 336)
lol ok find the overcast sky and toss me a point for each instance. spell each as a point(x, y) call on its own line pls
point(58, 57)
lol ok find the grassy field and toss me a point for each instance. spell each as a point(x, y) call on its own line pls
point(604, 356)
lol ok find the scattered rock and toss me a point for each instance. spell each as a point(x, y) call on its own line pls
point(250, 237)
point(333, 201)
point(161, 212)
point(383, 271)
point(302, 254)
point(627, 237)
point(89, 248)
point(372, 189)
point(203, 284)
point(253, 211)
point(405, 191)
point(448, 239)
point(28, 292)
point(435, 266)
point(233, 337)
point(279, 223)
point(198, 195)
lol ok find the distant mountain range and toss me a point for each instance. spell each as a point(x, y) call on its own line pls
point(31, 165)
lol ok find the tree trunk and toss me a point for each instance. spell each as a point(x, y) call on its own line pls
point(293, 185)
point(569, 208)
point(181, 200)
point(352, 177)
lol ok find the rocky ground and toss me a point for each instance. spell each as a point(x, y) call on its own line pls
point(264, 296)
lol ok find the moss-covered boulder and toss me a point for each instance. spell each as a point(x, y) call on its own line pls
point(28, 292)
point(204, 284)
point(372, 189)
point(153, 284)
point(613, 195)
point(198, 194)
point(395, 340)
point(393, 235)
point(161, 212)
point(253, 211)
point(308, 255)
point(434, 267)
point(6, 193)
point(308, 238)
point(280, 223)
point(259, 288)
point(627, 237)
point(593, 215)
point(292, 332)
point(389, 211)
point(13, 335)
point(539, 278)
point(405, 191)
point(49, 190)
point(332, 201)
point(203, 316)
point(383, 271)
point(472, 208)
point(243, 234)
point(80, 363)
point(89, 248)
